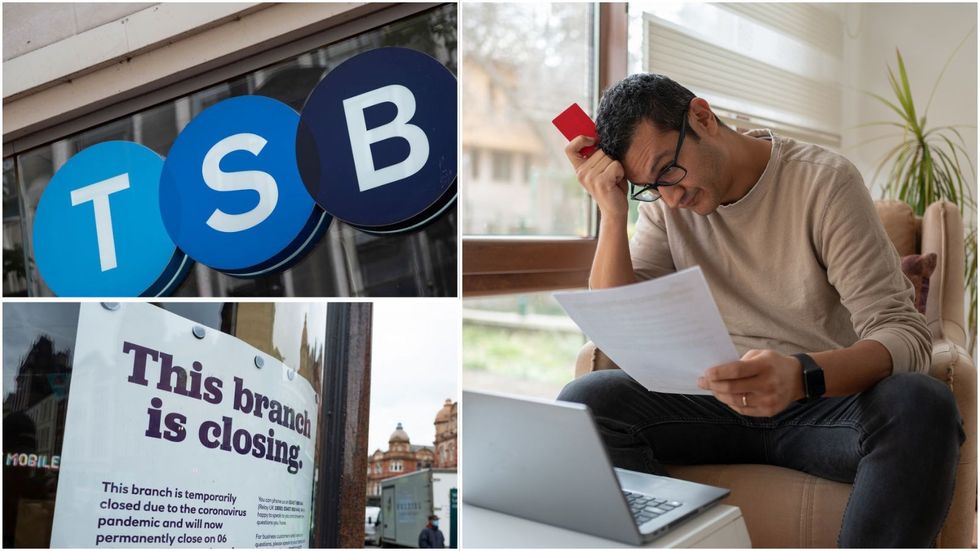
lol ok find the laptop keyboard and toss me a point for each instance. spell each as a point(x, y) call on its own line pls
point(646, 508)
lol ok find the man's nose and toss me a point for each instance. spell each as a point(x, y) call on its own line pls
point(673, 195)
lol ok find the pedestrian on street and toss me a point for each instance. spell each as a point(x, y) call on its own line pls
point(431, 537)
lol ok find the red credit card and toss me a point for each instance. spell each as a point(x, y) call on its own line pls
point(573, 122)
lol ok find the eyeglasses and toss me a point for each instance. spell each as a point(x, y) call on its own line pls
point(671, 175)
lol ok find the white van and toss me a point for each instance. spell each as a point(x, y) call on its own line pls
point(372, 533)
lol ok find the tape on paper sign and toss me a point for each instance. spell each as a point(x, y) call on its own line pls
point(98, 229)
point(377, 140)
point(231, 194)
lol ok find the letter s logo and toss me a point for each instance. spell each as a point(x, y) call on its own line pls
point(230, 193)
point(254, 180)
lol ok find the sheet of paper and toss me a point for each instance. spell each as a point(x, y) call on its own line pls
point(664, 332)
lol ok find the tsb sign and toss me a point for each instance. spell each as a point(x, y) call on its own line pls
point(249, 185)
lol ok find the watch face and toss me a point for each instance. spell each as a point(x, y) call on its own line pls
point(818, 386)
point(813, 380)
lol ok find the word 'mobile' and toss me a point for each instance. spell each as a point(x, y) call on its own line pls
point(250, 185)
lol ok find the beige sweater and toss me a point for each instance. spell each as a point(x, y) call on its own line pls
point(801, 263)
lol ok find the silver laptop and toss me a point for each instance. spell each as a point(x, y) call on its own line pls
point(544, 461)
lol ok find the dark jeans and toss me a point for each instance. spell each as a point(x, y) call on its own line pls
point(898, 443)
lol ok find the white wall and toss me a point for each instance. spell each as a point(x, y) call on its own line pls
point(29, 26)
point(926, 34)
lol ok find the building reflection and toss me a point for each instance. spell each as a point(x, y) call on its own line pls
point(33, 429)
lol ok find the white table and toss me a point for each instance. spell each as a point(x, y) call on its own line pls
point(721, 526)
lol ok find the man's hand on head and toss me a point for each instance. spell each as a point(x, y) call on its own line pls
point(762, 384)
point(601, 176)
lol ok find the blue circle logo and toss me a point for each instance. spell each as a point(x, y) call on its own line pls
point(377, 140)
point(231, 195)
point(98, 229)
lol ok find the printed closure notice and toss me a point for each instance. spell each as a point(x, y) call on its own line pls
point(177, 440)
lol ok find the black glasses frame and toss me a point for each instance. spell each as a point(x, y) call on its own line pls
point(660, 181)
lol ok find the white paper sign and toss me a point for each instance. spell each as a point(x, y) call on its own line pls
point(664, 332)
point(177, 441)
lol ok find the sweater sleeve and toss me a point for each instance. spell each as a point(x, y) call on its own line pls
point(649, 249)
point(863, 265)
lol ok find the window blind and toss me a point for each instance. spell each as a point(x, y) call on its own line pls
point(748, 92)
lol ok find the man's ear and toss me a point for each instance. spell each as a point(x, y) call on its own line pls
point(701, 118)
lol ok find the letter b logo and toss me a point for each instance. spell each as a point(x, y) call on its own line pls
point(376, 145)
point(361, 139)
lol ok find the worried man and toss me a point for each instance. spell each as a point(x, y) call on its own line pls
point(831, 380)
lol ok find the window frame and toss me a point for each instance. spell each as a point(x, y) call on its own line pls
point(506, 265)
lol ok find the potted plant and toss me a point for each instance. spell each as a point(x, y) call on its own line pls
point(930, 164)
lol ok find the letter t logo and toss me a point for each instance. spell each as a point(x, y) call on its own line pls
point(98, 193)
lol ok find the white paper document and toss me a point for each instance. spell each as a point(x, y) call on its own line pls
point(664, 332)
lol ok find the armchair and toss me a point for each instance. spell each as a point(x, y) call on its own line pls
point(787, 508)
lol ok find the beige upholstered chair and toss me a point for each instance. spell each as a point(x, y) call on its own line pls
point(786, 508)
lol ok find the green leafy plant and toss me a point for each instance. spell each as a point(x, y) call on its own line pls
point(929, 164)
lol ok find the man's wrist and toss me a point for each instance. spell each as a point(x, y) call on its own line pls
point(798, 383)
point(615, 219)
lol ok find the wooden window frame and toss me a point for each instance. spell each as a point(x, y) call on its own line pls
point(508, 265)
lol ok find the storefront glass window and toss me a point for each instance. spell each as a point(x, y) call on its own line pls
point(38, 344)
point(14, 261)
point(39, 341)
point(345, 262)
point(524, 63)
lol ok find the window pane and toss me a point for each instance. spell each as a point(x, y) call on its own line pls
point(524, 64)
point(502, 161)
point(38, 348)
point(523, 344)
point(14, 266)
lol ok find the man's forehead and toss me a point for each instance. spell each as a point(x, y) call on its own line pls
point(648, 143)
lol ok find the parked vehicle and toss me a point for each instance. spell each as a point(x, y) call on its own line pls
point(408, 500)
point(372, 526)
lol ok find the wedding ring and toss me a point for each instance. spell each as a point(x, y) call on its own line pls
point(745, 401)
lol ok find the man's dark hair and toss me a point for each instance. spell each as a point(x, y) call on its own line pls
point(649, 96)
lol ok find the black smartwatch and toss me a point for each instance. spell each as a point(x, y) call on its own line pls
point(813, 382)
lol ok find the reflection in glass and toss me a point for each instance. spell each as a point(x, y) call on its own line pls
point(216, 315)
point(14, 260)
point(345, 262)
point(38, 345)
